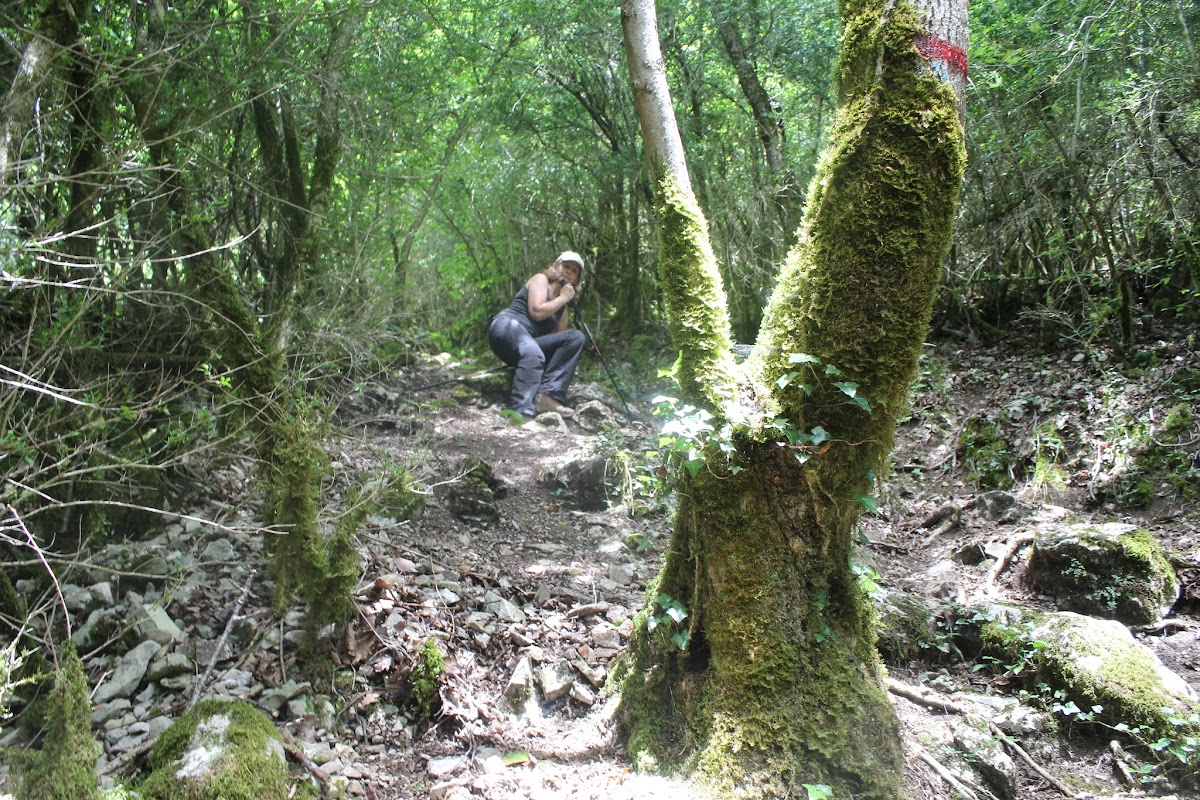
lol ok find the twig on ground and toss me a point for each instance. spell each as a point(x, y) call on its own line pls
point(931, 699)
point(297, 752)
point(945, 774)
point(212, 662)
point(1010, 549)
point(1120, 764)
point(946, 518)
point(125, 759)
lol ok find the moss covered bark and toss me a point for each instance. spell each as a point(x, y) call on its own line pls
point(62, 769)
point(779, 685)
point(698, 319)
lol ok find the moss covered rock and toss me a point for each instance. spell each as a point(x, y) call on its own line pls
point(220, 750)
point(1096, 663)
point(1111, 570)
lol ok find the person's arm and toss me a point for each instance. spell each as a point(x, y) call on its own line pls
point(542, 309)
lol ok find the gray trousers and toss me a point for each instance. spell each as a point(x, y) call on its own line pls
point(545, 364)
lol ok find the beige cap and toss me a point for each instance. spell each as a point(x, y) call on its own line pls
point(570, 255)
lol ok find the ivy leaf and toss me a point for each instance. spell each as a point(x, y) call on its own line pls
point(830, 369)
point(818, 435)
point(784, 380)
point(849, 388)
point(867, 502)
point(677, 612)
point(673, 370)
point(681, 639)
point(862, 403)
point(818, 791)
point(802, 358)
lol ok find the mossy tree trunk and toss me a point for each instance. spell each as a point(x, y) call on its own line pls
point(778, 683)
point(251, 333)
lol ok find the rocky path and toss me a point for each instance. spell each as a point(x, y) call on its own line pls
point(528, 554)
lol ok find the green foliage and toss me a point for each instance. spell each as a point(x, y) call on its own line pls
point(62, 769)
point(985, 454)
point(670, 617)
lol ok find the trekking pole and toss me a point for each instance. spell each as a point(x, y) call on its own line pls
point(471, 377)
point(596, 350)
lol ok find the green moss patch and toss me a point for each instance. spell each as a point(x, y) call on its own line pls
point(1113, 570)
point(220, 750)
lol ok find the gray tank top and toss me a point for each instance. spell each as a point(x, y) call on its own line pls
point(519, 310)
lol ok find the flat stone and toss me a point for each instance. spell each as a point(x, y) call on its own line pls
point(508, 611)
point(582, 694)
point(556, 681)
point(520, 685)
point(448, 765)
point(579, 612)
point(606, 636)
point(127, 673)
point(593, 675)
point(103, 593)
point(219, 550)
point(156, 625)
point(75, 597)
point(169, 666)
point(103, 712)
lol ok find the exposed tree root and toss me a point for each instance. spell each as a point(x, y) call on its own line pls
point(935, 701)
point(945, 774)
point(1010, 549)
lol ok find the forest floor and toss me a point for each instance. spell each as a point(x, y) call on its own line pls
point(576, 575)
point(509, 576)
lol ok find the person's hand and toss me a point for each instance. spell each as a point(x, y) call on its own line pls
point(567, 292)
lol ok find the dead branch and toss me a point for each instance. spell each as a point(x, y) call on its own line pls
point(1121, 765)
point(1010, 549)
point(931, 699)
point(945, 774)
point(297, 752)
point(234, 617)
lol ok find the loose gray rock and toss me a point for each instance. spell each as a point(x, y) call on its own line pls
point(156, 625)
point(127, 673)
point(999, 506)
point(219, 550)
point(556, 681)
point(472, 496)
point(519, 691)
point(584, 478)
point(1095, 662)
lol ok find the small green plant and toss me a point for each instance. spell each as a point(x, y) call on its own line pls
point(818, 791)
point(672, 615)
point(423, 680)
point(513, 417)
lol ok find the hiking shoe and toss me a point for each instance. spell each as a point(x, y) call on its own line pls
point(545, 403)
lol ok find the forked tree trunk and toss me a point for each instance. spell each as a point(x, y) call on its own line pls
point(779, 683)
